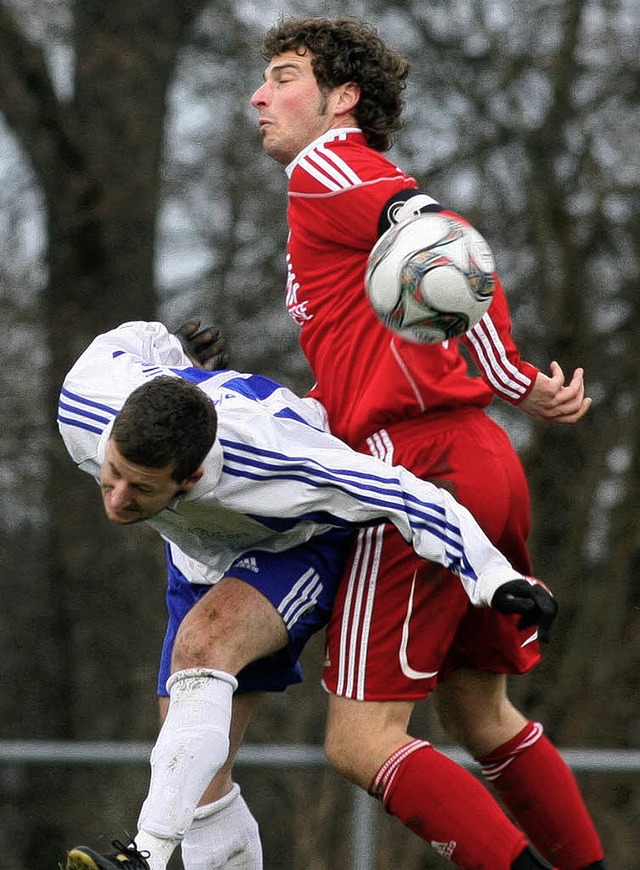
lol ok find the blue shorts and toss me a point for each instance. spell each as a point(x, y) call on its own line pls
point(301, 584)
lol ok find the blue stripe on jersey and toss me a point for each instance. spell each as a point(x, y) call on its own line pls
point(253, 387)
point(84, 419)
point(370, 489)
point(196, 376)
point(362, 480)
point(78, 425)
point(290, 414)
point(63, 406)
point(302, 462)
point(391, 498)
point(75, 398)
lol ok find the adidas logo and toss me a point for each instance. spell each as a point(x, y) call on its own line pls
point(249, 564)
point(445, 849)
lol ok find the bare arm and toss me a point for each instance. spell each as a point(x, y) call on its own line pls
point(552, 401)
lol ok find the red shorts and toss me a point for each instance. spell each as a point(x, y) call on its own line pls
point(400, 624)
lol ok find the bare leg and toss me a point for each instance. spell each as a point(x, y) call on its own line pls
point(440, 801)
point(523, 766)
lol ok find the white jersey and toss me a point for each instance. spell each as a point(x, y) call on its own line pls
point(274, 478)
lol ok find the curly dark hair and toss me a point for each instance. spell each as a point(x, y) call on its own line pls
point(349, 50)
point(163, 421)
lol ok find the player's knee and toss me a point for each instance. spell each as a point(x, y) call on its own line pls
point(460, 720)
point(360, 736)
point(346, 749)
point(198, 645)
point(470, 727)
point(480, 724)
point(337, 750)
point(472, 704)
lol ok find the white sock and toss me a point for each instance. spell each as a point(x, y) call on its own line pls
point(192, 746)
point(224, 836)
point(159, 850)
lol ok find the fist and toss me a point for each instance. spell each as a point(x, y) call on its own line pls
point(205, 347)
point(532, 599)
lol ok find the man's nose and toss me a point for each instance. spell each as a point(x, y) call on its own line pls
point(258, 97)
point(119, 496)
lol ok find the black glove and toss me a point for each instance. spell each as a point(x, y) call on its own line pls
point(530, 598)
point(204, 347)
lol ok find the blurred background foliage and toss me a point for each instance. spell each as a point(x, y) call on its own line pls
point(133, 186)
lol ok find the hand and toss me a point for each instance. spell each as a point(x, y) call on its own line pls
point(204, 347)
point(530, 598)
point(553, 402)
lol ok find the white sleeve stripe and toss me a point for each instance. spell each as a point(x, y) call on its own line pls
point(484, 363)
point(381, 446)
point(498, 345)
point(314, 173)
point(385, 508)
point(377, 489)
point(340, 167)
point(492, 356)
point(390, 502)
point(304, 195)
point(329, 169)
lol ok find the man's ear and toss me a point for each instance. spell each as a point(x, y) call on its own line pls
point(191, 481)
point(348, 97)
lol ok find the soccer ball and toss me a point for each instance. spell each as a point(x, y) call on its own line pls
point(430, 278)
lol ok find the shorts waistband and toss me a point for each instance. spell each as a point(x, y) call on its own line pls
point(432, 422)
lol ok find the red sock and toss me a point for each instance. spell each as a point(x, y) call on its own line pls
point(541, 793)
point(446, 805)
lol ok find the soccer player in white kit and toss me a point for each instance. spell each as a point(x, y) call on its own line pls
point(240, 479)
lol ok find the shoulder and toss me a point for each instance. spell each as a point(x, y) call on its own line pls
point(338, 161)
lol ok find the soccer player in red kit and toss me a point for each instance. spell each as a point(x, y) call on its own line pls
point(328, 107)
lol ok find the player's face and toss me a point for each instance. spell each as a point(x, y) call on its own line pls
point(131, 492)
point(292, 110)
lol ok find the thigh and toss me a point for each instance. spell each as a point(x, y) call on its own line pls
point(400, 625)
point(272, 673)
point(468, 454)
point(300, 584)
point(393, 622)
point(231, 625)
point(475, 710)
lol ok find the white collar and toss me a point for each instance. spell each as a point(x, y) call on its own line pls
point(212, 466)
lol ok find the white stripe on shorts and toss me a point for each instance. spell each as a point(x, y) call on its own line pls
point(303, 595)
point(361, 590)
point(356, 618)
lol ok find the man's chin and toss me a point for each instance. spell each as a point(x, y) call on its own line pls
point(125, 519)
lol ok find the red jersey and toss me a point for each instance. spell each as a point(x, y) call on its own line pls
point(368, 377)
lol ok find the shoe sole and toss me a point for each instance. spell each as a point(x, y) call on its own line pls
point(80, 860)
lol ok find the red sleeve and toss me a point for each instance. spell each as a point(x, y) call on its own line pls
point(495, 352)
